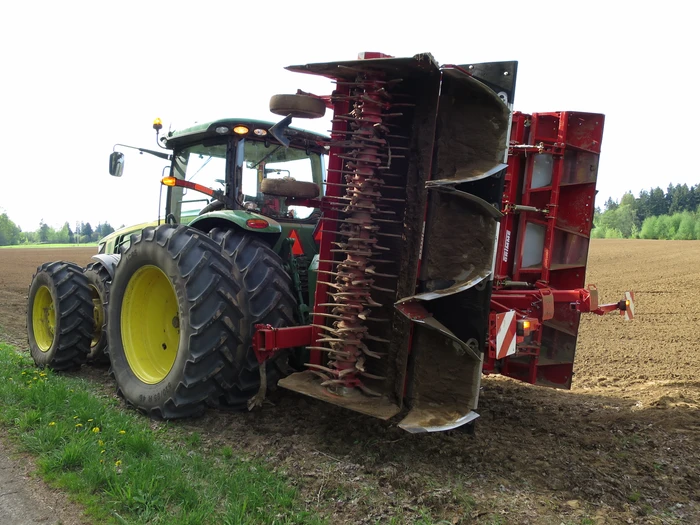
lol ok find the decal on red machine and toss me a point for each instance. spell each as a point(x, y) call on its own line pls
point(506, 246)
point(505, 334)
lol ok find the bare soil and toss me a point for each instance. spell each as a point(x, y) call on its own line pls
point(623, 446)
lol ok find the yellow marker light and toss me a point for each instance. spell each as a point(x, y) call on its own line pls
point(627, 302)
point(260, 132)
point(241, 130)
point(157, 124)
point(526, 325)
point(168, 181)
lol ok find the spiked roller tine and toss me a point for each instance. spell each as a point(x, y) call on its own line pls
point(388, 221)
point(323, 376)
point(322, 368)
point(378, 339)
point(394, 235)
point(372, 376)
point(332, 285)
point(389, 290)
point(329, 261)
point(332, 316)
point(368, 391)
point(328, 350)
point(329, 273)
point(375, 355)
point(373, 319)
point(381, 261)
point(370, 270)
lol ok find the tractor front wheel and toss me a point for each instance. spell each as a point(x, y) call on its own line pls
point(59, 316)
point(174, 321)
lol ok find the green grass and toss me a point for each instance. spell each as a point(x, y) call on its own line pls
point(122, 471)
point(20, 246)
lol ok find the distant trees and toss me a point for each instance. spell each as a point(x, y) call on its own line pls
point(10, 233)
point(655, 214)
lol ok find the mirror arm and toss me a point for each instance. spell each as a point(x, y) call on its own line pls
point(159, 154)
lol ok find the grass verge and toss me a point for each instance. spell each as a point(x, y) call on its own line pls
point(112, 462)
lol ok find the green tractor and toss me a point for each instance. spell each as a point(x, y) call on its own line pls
point(172, 304)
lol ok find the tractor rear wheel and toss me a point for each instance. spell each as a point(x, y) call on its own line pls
point(59, 316)
point(174, 321)
point(270, 301)
point(98, 280)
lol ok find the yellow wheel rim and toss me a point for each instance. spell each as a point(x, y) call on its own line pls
point(43, 319)
point(150, 324)
point(98, 317)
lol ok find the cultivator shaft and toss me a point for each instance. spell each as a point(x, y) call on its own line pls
point(367, 154)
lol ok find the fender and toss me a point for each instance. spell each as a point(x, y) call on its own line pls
point(108, 260)
point(240, 220)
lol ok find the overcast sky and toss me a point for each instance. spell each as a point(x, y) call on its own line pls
point(78, 77)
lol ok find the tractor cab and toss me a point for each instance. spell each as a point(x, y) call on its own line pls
point(238, 165)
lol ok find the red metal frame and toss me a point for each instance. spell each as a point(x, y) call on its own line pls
point(549, 189)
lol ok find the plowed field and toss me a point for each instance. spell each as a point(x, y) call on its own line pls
point(623, 446)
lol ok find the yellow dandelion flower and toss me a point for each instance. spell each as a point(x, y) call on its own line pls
point(90, 420)
point(43, 374)
point(79, 425)
point(102, 452)
point(96, 430)
point(102, 461)
point(75, 417)
point(122, 431)
point(36, 379)
point(52, 424)
point(118, 462)
point(100, 442)
point(24, 373)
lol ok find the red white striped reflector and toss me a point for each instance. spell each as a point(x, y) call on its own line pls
point(505, 334)
point(629, 312)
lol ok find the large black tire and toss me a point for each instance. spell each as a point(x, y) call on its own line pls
point(59, 316)
point(98, 280)
point(174, 322)
point(269, 301)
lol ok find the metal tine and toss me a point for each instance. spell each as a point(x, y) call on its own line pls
point(372, 376)
point(327, 272)
point(370, 270)
point(388, 221)
point(370, 353)
point(374, 287)
point(332, 285)
point(332, 316)
point(375, 338)
point(395, 235)
point(381, 261)
point(368, 391)
point(374, 319)
point(321, 367)
point(329, 350)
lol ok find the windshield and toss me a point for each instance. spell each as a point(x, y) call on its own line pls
point(275, 162)
point(205, 165)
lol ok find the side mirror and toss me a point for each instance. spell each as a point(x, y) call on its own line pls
point(116, 164)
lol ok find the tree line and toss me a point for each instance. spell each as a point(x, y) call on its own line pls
point(654, 214)
point(82, 233)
